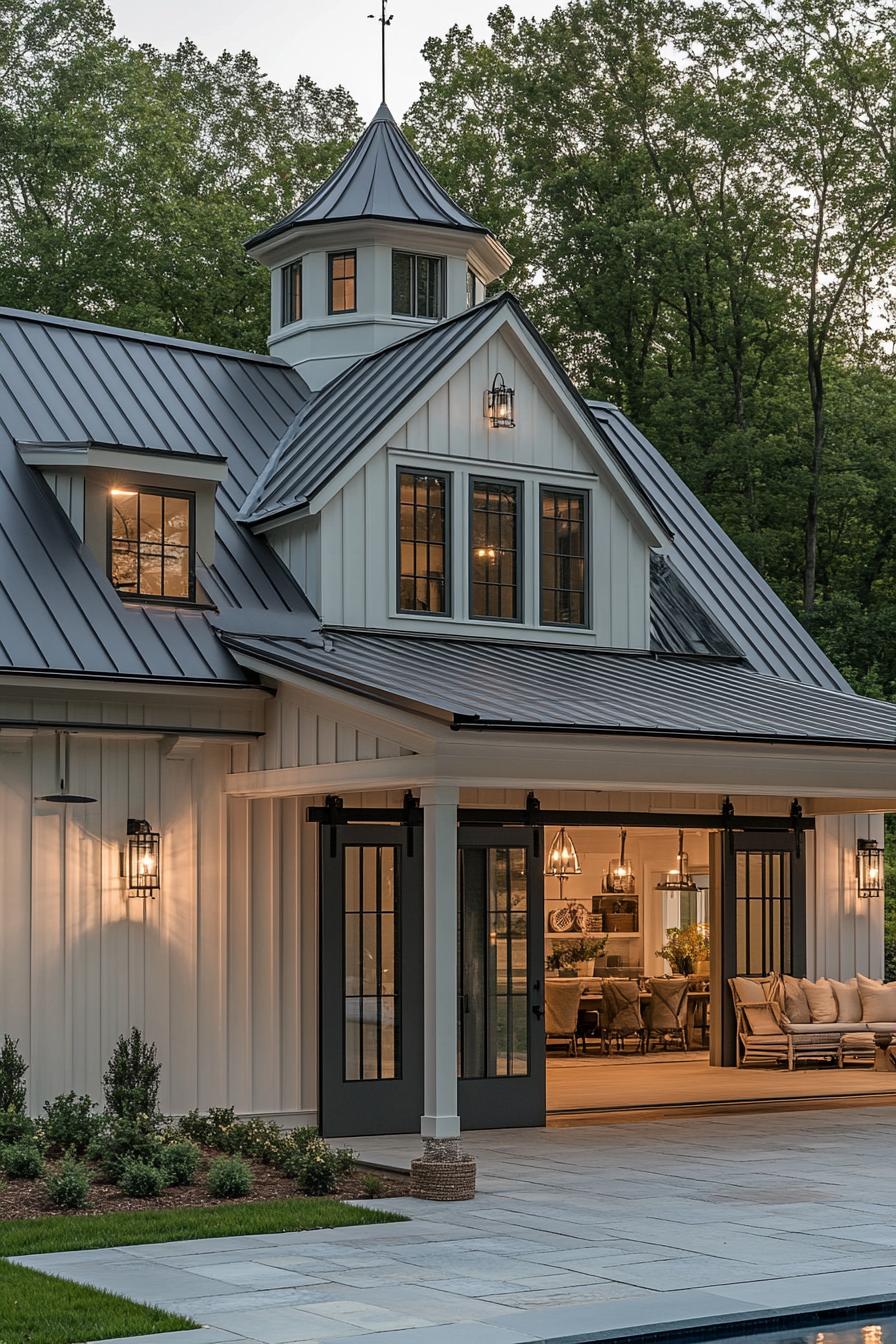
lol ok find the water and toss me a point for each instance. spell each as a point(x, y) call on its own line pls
point(876, 1328)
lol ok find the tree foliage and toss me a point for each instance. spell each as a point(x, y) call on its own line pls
point(129, 178)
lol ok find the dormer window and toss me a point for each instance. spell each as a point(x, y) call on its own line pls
point(343, 275)
point(417, 283)
point(292, 293)
point(151, 543)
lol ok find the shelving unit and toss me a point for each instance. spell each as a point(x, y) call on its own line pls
point(594, 934)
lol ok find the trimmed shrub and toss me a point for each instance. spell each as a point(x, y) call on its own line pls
point(120, 1140)
point(318, 1169)
point(372, 1185)
point(140, 1180)
point(69, 1185)
point(12, 1077)
point(229, 1178)
point(14, 1125)
point(180, 1161)
point(70, 1123)
point(131, 1080)
point(22, 1160)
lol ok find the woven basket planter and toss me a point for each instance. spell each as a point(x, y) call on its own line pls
point(443, 1180)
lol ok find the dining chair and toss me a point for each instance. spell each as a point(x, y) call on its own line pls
point(561, 1011)
point(621, 1014)
point(666, 1013)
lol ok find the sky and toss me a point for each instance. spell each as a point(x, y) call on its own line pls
point(333, 41)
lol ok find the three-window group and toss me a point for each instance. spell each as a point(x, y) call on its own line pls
point(495, 536)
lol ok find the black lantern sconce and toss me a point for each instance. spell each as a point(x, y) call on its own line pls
point(143, 859)
point(499, 404)
point(869, 869)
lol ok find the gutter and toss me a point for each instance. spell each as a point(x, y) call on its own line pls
point(473, 723)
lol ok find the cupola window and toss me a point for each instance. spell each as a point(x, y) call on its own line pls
point(292, 293)
point(343, 275)
point(563, 557)
point(417, 284)
point(423, 542)
point(151, 543)
point(494, 551)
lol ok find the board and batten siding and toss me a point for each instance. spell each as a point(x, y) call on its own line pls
point(211, 970)
point(845, 934)
point(345, 557)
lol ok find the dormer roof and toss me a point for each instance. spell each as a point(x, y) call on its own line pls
point(380, 178)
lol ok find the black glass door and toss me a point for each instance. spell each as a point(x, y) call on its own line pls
point(371, 980)
point(501, 1073)
point(762, 917)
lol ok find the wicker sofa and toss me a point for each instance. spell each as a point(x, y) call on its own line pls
point(782, 1020)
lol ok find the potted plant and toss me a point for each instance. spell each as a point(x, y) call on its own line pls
point(686, 949)
point(575, 956)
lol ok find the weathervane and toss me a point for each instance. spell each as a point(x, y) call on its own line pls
point(384, 21)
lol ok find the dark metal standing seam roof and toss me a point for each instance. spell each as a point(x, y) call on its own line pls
point(63, 381)
point(380, 178)
point(487, 684)
point(715, 572)
point(340, 419)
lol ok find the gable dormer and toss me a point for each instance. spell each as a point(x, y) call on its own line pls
point(379, 251)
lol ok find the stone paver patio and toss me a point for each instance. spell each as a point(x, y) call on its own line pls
point(577, 1234)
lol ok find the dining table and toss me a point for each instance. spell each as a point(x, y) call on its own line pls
point(697, 1004)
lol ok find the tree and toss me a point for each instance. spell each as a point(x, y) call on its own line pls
point(130, 178)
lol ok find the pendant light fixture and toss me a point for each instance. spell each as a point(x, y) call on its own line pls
point(679, 879)
point(65, 794)
point(620, 877)
point(562, 861)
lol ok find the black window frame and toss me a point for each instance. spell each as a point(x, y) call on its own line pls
point(472, 281)
point(334, 256)
point(501, 483)
point(157, 599)
point(585, 496)
point(287, 294)
point(414, 258)
point(446, 478)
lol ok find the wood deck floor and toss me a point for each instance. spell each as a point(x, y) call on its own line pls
point(672, 1080)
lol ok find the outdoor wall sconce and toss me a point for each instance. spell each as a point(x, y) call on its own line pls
point(679, 879)
point(869, 869)
point(562, 860)
point(143, 859)
point(499, 404)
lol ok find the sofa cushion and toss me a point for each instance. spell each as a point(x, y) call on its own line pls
point(882, 1027)
point(822, 1000)
point(761, 1019)
point(821, 1028)
point(796, 1005)
point(878, 1000)
point(849, 1005)
point(749, 991)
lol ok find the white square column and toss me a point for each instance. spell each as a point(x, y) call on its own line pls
point(440, 1118)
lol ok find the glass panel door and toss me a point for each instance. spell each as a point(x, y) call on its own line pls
point(500, 979)
point(371, 981)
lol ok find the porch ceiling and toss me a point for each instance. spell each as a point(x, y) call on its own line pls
point(492, 685)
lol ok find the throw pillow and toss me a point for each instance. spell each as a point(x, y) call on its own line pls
point(878, 1000)
point(796, 1005)
point(761, 1020)
point(749, 991)
point(849, 1005)
point(821, 999)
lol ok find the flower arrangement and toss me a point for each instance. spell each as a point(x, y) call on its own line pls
point(685, 948)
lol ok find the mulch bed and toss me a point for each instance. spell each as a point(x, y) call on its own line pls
point(27, 1199)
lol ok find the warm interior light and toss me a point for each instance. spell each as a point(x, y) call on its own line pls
point(122, 494)
point(485, 553)
point(562, 859)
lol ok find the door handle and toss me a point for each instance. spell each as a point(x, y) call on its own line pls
point(537, 1011)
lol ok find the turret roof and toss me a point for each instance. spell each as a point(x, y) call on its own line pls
point(381, 177)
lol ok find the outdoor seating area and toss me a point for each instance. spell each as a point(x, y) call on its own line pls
point(782, 1019)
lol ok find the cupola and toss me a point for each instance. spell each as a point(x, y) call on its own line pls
point(378, 251)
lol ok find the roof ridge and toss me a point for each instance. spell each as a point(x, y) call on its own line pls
point(145, 337)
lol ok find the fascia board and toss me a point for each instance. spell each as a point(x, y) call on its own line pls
point(110, 457)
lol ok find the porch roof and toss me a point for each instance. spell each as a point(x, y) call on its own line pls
point(485, 684)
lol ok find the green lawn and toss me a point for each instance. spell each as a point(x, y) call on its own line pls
point(38, 1309)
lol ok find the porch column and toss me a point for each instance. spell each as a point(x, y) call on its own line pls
point(440, 1119)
